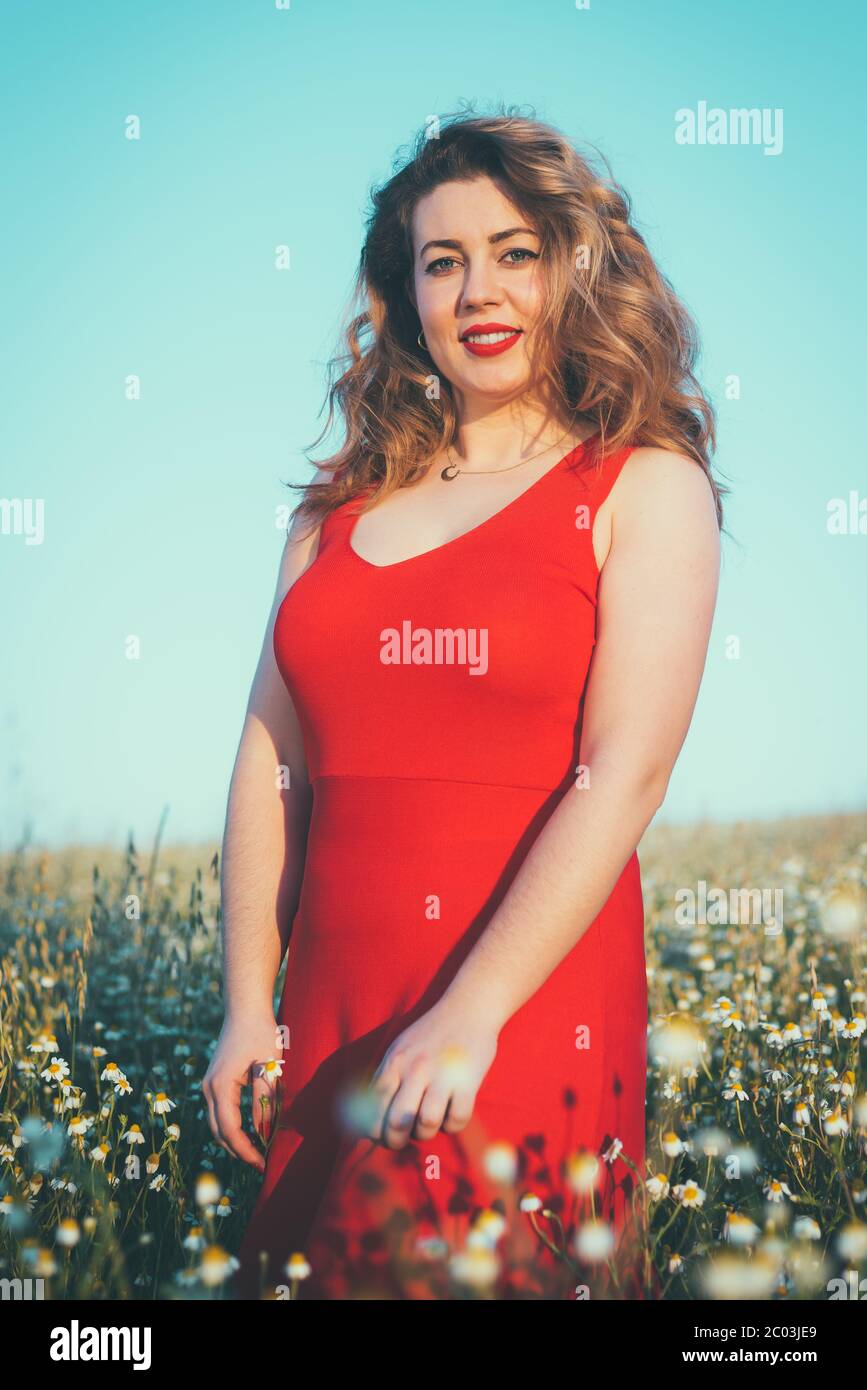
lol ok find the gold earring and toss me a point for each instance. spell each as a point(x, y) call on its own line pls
point(419, 340)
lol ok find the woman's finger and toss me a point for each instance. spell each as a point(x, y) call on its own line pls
point(228, 1110)
point(460, 1110)
point(431, 1112)
point(403, 1110)
point(380, 1093)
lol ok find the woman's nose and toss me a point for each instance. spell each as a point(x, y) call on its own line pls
point(480, 287)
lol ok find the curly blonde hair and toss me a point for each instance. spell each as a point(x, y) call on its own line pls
point(620, 347)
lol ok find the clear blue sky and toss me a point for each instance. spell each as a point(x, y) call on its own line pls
point(263, 126)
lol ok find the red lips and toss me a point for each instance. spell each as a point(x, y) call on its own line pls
point(490, 349)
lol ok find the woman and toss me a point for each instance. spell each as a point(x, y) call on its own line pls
point(524, 484)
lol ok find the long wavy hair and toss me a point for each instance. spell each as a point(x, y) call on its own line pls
point(620, 347)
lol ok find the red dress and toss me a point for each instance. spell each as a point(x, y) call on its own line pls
point(431, 778)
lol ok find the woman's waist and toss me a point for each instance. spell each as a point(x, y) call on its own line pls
point(531, 749)
point(401, 839)
point(376, 810)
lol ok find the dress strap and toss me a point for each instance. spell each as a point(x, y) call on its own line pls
point(599, 477)
point(337, 524)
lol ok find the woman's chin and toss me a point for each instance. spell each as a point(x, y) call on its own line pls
point(493, 383)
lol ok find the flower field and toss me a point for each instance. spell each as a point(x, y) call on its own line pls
point(111, 1186)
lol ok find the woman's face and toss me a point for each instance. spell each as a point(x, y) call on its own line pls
point(477, 267)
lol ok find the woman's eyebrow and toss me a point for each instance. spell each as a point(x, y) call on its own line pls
point(454, 245)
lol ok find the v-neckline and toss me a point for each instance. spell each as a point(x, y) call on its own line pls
point(480, 526)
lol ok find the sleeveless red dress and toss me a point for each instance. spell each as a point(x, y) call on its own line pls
point(431, 778)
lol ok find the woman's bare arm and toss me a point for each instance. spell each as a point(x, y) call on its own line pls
point(264, 844)
point(266, 829)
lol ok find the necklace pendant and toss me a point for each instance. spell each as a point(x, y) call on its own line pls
point(450, 471)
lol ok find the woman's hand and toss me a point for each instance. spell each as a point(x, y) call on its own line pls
point(429, 1077)
point(242, 1043)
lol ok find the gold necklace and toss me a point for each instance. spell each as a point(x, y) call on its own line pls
point(452, 470)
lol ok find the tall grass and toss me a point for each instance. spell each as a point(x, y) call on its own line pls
point(112, 1187)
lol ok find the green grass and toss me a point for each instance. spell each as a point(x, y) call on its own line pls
point(102, 950)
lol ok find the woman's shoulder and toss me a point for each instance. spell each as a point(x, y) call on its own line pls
point(650, 500)
point(654, 481)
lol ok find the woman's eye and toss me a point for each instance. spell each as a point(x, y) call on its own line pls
point(442, 263)
point(431, 269)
